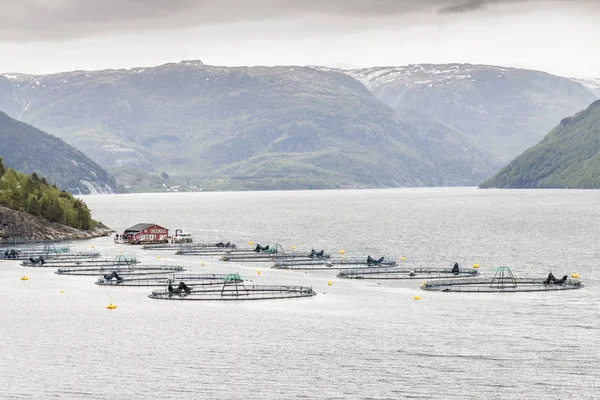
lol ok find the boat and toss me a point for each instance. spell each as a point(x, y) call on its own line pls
point(504, 282)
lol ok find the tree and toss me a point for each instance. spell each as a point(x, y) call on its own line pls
point(2, 169)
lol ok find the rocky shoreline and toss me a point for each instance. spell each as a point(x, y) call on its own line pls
point(16, 225)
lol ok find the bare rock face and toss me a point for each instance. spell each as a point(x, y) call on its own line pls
point(17, 225)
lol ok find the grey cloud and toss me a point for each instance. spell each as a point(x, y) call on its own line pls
point(473, 5)
point(54, 20)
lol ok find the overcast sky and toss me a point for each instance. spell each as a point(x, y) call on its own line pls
point(44, 36)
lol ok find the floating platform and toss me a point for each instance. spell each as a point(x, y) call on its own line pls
point(407, 273)
point(120, 269)
point(192, 280)
point(233, 289)
point(503, 282)
point(346, 263)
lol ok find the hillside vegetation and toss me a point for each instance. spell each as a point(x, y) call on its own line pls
point(28, 150)
point(35, 196)
point(568, 157)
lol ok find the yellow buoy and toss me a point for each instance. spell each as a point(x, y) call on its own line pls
point(293, 247)
point(329, 283)
point(417, 297)
point(476, 266)
point(203, 263)
point(258, 272)
point(111, 306)
point(121, 252)
point(575, 276)
point(402, 258)
point(92, 247)
point(250, 243)
point(24, 278)
point(342, 252)
point(158, 257)
point(62, 290)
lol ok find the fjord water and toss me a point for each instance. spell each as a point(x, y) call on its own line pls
point(355, 339)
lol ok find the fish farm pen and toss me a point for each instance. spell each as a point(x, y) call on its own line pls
point(504, 282)
point(192, 280)
point(407, 273)
point(49, 256)
point(237, 292)
point(191, 246)
point(96, 262)
point(47, 251)
point(120, 269)
point(337, 264)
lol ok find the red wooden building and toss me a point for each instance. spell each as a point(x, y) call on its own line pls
point(146, 233)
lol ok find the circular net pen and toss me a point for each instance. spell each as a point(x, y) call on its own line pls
point(191, 246)
point(345, 263)
point(120, 269)
point(163, 280)
point(407, 273)
point(49, 251)
point(504, 282)
point(233, 290)
point(95, 262)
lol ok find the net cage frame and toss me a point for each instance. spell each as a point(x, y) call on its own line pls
point(406, 273)
point(503, 281)
point(237, 291)
point(145, 280)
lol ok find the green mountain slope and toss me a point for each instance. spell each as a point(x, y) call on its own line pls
point(505, 110)
point(568, 157)
point(28, 149)
point(241, 128)
point(35, 196)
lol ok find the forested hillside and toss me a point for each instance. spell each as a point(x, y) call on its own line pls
point(34, 195)
point(568, 157)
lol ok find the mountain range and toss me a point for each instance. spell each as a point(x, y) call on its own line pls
point(568, 157)
point(213, 127)
point(27, 149)
point(504, 110)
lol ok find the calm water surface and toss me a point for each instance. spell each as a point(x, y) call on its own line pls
point(355, 339)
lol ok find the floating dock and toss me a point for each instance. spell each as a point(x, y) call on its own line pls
point(232, 290)
point(191, 280)
point(407, 273)
point(503, 282)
